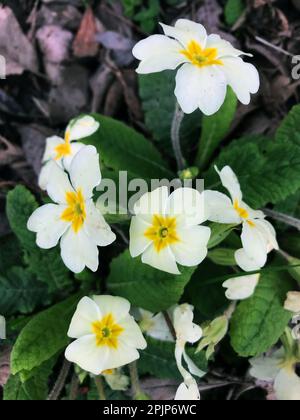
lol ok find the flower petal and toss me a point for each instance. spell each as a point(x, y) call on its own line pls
point(82, 127)
point(266, 368)
point(87, 355)
point(287, 385)
point(121, 356)
point(187, 203)
point(240, 288)
point(138, 241)
point(219, 208)
point(58, 184)
point(186, 329)
point(86, 313)
point(132, 335)
point(268, 231)
point(96, 227)
point(186, 31)
point(231, 183)
point(254, 244)
point(245, 262)
point(79, 251)
point(187, 393)
point(47, 223)
point(158, 53)
point(242, 77)
point(51, 144)
point(67, 160)
point(200, 87)
point(118, 306)
point(225, 48)
point(85, 171)
point(152, 203)
point(191, 250)
point(163, 260)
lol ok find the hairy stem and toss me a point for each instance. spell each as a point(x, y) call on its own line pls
point(175, 137)
point(280, 217)
point(135, 382)
point(100, 388)
point(61, 381)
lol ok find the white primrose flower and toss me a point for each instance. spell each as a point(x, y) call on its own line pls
point(154, 325)
point(258, 235)
point(208, 64)
point(241, 288)
point(2, 328)
point(166, 231)
point(292, 302)
point(107, 337)
point(281, 373)
point(63, 150)
point(186, 332)
point(116, 380)
point(74, 218)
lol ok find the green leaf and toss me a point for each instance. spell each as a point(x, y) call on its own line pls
point(215, 128)
point(20, 204)
point(233, 11)
point(10, 253)
point(208, 299)
point(158, 359)
point(20, 292)
point(223, 256)
point(43, 336)
point(121, 148)
point(219, 233)
point(259, 321)
point(46, 265)
point(268, 171)
point(289, 130)
point(144, 286)
point(159, 103)
point(35, 388)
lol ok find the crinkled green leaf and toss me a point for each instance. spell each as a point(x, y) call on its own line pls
point(20, 292)
point(233, 11)
point(144, 286)
point(259, 321)
point(289, 129)
point(43, 336)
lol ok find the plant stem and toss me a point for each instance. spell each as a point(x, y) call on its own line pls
point(60, 383)
point(100, 388)
point(284, 218)
point(170, 324)
point(74, 387)
point(175, 137)
point(135, 383)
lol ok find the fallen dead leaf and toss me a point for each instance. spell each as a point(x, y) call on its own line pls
point(85, 44)
point(19, 53)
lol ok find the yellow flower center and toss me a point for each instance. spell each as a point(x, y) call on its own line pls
point(64, 149)
point(107, 331)
point(201, 57)
point(243, 213)
point(75, 212)
point(162, 232)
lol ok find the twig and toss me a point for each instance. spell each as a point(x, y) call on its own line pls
point(121, 234)
point(100, 388)
point(274, 47)
point(284, 218)
point(74, 387)
point(60, 383)
point(175, 137)
point(170, 324)
point(135, 382)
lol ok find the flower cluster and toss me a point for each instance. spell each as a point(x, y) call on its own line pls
point(168, 231)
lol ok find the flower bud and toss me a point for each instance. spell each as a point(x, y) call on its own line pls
point(213, 334)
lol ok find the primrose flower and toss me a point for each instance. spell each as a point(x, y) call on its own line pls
point(241, 288)
point(116, 380)
point(208, 64)
point(154, 325)
point(74, 218)
point(186, 332)
point(2, 328)
point(279, 371)
point(63, 150)
point(107, 337)
point(258, 235)
point(166, 231)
